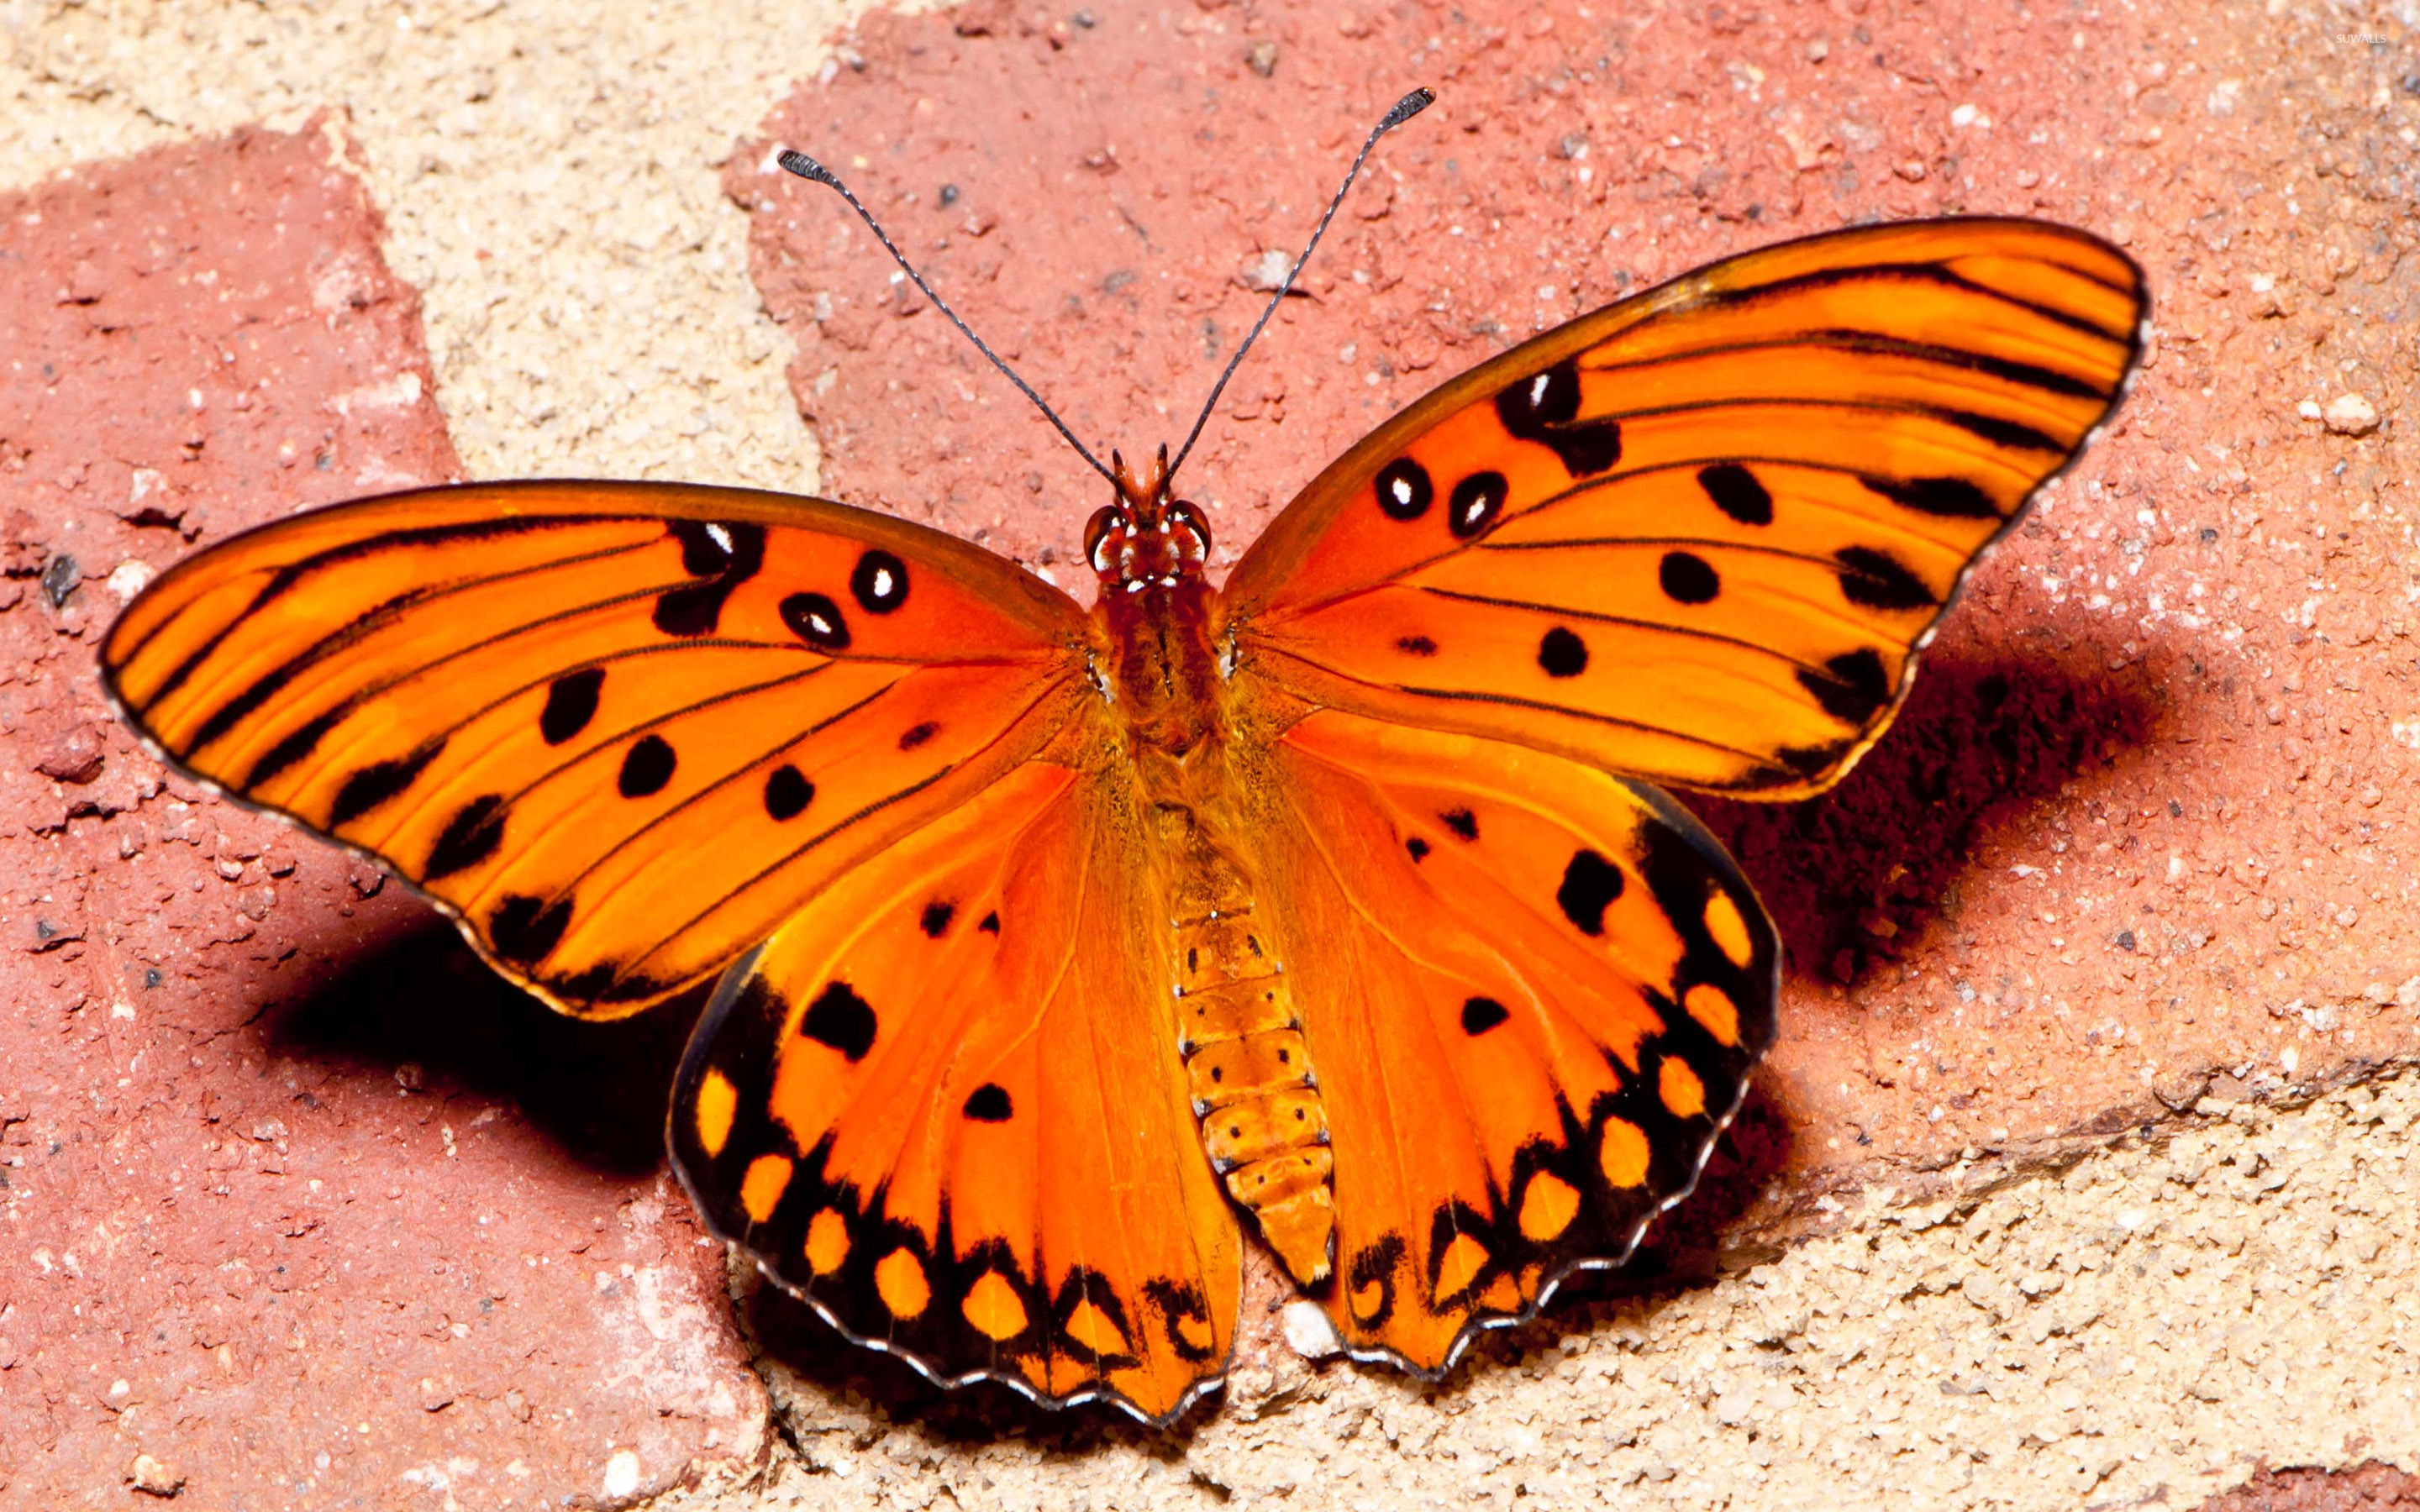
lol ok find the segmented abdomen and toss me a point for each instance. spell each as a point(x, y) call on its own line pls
point(1253, 1090)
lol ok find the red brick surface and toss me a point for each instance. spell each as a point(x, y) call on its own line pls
point(299, 1206)
point(2369, 1488)
point(2145, 829)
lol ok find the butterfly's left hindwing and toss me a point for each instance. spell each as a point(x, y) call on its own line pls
point(1700, 536)
point(1533, 992)
point(944, 1105)
point(620, 731)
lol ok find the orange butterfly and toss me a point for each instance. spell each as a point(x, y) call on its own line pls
point(1348, 873)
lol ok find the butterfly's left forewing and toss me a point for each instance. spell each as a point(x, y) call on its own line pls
point(1532, 992)
point(1700, 536)
point(620, 731)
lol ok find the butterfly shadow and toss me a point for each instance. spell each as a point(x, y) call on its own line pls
point(1854, 877)
point(423, 1008)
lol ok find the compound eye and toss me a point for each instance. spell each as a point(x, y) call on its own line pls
point(1106, 520)
point(1184, 516)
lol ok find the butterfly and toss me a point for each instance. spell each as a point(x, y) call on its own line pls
point(1339, 904)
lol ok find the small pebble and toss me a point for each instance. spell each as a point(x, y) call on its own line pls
point(1308, 1332)
point(2349, 414)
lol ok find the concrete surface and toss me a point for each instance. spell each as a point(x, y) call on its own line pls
point(2035, 1208)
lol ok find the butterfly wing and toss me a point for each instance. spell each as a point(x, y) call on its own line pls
point(944, 1105)
point(1699, 536)
point(1533, 992)
point(620, 731)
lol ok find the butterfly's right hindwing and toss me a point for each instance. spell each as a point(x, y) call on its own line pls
point(938, 1106)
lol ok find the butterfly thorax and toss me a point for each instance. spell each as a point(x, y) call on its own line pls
point(1237, 1029)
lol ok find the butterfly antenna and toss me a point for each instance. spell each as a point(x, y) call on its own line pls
point(1406, 108)
point(807, 167)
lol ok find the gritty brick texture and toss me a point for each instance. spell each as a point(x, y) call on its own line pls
point(294, 1211)
point(2079, 1178)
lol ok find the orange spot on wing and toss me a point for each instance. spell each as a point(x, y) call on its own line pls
point(1714, 1011)
point(899, 1281)
point(1503, 1295)
point(717, 1103)
point(994, 1308)
point(826, 1242)
point(1548, 1204)
point(1622, 1151)
point(1463, 1259)
point(1682, 1092)
point(1090, 1328)
point(1729, 930)
point(761, 1189)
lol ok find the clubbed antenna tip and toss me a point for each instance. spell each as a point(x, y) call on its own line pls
point(1407, 107)
point(1404, 109)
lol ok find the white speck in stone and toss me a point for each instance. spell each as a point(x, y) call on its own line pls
point(1308, 1332)
point(622, 1473)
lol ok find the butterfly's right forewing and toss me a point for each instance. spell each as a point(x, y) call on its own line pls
point(621, 731)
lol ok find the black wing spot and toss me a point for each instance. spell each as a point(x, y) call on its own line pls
point(1544, 408)
point(1481, 1015)
point(1877, 579)
point(787, 793)
point(879, 582)
point(841, 1019)
point(469, 838)
point(1807, 761)
point(1476, 502)
point(379, 782)
point(1944, 498)
point(1462, 822)
point(1181, 1304)
point(990, 924)
point(1418, 847)
point(1686, 579)
point(647, 766)
point(917, 734)
point(1404, 491)
point(295, 747)
point(1737, 493)
point(815, 620)
point(1551, 397)
point(935, 920)
point(732, 554)
point(523, 929)
point(1416, 645)
point(570, 703)
point(1857, 690)
point(989, 1103)
point(1590, 884)
point(705, 550)
point(2000, 432)
point(1562, 654)
point(1374, 1269)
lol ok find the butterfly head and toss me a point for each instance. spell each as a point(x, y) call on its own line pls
point(1147, 537)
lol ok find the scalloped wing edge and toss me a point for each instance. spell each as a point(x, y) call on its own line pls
point(733, 977)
